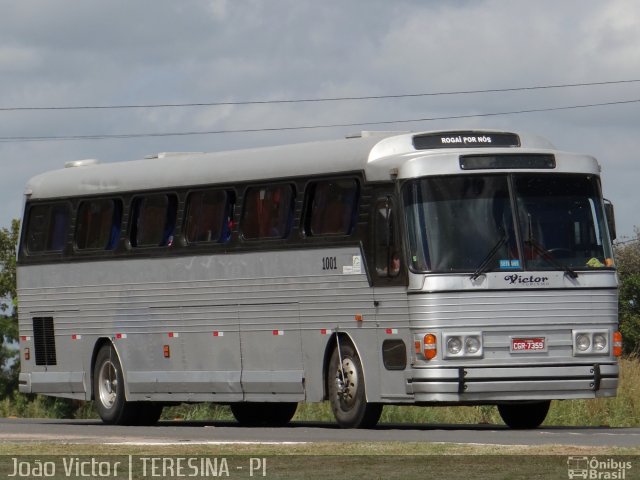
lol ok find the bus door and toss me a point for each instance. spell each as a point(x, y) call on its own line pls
point(390, 300)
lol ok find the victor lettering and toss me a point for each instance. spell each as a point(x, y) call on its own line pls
point(526, 280)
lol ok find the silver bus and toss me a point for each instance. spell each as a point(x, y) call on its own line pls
point(433, 268)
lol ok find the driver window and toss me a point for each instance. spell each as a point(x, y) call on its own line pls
point(387, 253)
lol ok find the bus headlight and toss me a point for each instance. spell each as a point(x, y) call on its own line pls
point(594, 342)
point(454, 345)
point(472, 345)
point(463, 345)
point(582, 342)
point(599, 342)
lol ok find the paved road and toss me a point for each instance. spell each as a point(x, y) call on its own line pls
point(93, 432)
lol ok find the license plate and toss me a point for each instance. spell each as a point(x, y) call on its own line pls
point(535, 344)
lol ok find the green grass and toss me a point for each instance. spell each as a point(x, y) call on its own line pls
point(379, 460)
point(335, 460)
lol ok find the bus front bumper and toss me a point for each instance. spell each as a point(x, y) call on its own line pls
point(489, 384)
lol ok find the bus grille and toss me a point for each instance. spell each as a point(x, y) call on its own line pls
point(45, 342)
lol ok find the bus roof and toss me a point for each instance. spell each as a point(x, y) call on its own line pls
point(374, 153)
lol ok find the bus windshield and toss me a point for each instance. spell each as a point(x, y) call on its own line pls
point(479, 223)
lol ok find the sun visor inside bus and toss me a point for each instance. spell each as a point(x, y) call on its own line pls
point(465, 139)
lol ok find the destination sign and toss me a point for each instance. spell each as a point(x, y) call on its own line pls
point(505, 161)
point(465, 139)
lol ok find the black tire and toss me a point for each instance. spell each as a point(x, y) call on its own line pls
point(347, 396)
point(145, 413)
point(525, 415)
point(263, 414)
point(108, 389)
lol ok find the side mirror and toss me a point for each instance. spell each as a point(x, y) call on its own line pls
point(611, 218)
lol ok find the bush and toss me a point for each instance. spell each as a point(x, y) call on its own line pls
point(628, 261)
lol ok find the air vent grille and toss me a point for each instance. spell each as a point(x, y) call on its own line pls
point(45, 341)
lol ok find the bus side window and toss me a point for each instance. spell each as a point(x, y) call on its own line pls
point(154, 220)
point(267, 212)
point(331, 207)
point(387, 252)
point(209, 216)
point(98, 224)
point(47, 228)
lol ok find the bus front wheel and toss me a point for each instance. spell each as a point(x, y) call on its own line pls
point(347, 391)
point(525, 415)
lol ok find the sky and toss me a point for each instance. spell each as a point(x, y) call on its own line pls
point(149, 52)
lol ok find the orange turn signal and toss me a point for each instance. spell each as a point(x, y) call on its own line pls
point(617, 344)
point(27, 354)
point(430, 346)
point(166, 350)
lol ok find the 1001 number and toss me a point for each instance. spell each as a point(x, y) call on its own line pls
point(329, 263)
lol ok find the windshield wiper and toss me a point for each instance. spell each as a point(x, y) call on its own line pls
point(484, 266)
point(548, 257)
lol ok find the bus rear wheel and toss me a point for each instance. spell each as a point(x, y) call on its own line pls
point(347, 391)
point(263, 414)
point(525, 415)
point(108, 389)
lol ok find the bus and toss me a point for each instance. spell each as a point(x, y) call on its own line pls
point(436, 268)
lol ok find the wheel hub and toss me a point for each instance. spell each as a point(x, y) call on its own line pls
point(347, 382)
point(107, 385)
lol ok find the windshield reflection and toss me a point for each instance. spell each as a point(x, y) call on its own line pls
point(480, 223)
point(564, 215)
